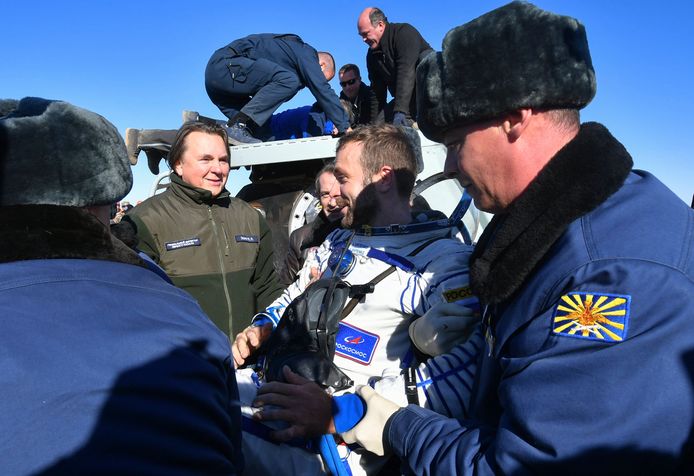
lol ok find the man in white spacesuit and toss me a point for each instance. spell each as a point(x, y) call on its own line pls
point(422, 270)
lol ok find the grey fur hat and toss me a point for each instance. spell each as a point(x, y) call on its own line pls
point(54, 153)
point(516, 56)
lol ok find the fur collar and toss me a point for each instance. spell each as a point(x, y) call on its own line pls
point(53, 232)
point(577, 180)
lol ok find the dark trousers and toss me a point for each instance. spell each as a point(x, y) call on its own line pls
point(386, 114)
point(256, 87)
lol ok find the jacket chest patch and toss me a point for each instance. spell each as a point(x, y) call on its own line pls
point(593, 316)
point(355, 344)
point(175, 245)
point(246, 238)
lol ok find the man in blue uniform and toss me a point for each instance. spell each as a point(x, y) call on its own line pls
point(251, 77)
point(106, 368)
point(588, 362)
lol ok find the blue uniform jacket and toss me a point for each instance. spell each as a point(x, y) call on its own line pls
point(292, 54)
point(589, 361)
point(105, 368)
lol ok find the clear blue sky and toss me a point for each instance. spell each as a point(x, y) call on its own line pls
point(140, 63)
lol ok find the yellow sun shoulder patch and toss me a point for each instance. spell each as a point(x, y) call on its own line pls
point(593, 316)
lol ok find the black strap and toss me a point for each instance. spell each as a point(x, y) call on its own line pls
point(363, 290)
point(321, 331)
point(372, 284)
point(410, 378)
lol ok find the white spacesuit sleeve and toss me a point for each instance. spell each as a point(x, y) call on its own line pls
point(444, 381)
point(316, 261)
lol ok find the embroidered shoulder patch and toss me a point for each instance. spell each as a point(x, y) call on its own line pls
point(594, 316)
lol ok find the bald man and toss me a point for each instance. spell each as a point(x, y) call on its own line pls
point(395, 50)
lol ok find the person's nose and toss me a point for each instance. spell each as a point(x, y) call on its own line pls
point(216, 167)
point(333, 199)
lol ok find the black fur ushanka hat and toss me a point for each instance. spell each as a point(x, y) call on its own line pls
point(517, 56)
point(54, 153)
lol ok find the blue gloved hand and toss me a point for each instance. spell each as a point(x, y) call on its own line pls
point(348, 410)
point(400, 119)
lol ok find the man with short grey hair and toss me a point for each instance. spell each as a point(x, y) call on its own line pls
point(395, 50)
point(587, 367)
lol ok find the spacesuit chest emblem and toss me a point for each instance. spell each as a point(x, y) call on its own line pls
point(341, 267)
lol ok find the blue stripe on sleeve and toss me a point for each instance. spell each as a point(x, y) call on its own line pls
point(424, 389)
point(440, 398)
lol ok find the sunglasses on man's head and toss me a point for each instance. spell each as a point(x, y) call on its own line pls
point(349, 81)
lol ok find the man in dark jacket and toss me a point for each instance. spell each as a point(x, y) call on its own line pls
point(587, 367)
point(311, 235)
point(214, 246)
point(395, 50)
point(106, 367)
point(251, 77)
point(360, 96)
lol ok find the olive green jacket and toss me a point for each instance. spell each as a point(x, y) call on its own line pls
point(219, 250)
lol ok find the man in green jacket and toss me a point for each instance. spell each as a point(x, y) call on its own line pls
point(216, 247)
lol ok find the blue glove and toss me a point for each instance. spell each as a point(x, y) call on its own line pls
point(348, 410)
point(400, 119)
point(328, 128)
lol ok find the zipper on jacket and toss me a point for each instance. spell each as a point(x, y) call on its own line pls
point(488, 332)
point(226, 242)
point(221, 265)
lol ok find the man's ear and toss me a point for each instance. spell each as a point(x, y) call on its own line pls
point(515, 123)
point(385, 179)
point(178, 168)
point(328, 72)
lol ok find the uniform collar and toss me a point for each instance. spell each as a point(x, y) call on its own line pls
point(198, 195)
point(422, 221)
point(581, 176)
